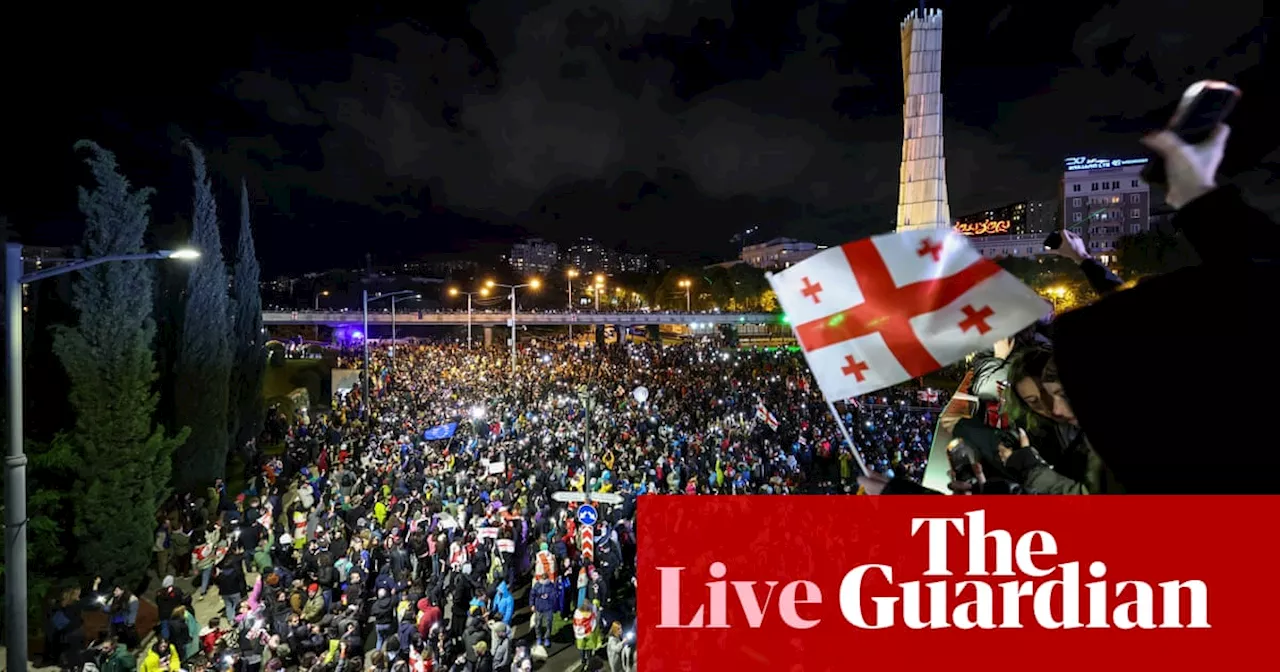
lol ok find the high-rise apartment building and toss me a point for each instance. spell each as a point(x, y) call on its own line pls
point(588, 256)
point(534, 256)
point(1104, 200)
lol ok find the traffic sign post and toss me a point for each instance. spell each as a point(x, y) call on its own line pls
point(588, 544)
point(587, 514)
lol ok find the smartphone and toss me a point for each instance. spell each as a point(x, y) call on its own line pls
point(1054, 241)
point(1204, 105)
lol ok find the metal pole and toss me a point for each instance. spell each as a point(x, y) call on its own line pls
point(688, 301)
point(570, 308)
point(468, 320)
point(513, 331)
point(15, 470)
point(368, 393)
point(393, 333)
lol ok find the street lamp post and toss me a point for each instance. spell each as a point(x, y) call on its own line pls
point(599, 287)
point(484, 291)
point(688, 298)
point(532, 284)
point(15, 462)
point(571, 273)
point(318, 295)
point(365, 341)
point(393, 323)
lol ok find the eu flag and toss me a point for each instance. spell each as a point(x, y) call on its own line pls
point(440, 432)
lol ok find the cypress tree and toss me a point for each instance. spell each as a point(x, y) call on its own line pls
point(122, 458)
point(250, 355)
point(203, 364)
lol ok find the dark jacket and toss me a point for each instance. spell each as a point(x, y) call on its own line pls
point(1141, 365)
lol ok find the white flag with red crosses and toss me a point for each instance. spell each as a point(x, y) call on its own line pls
point(883, 310)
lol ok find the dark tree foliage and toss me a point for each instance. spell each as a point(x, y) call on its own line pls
point(249, 351)
point(122, 459)
point(1153, 253)
point(203, 371)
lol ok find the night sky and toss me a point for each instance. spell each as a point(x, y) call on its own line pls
point(661, 126)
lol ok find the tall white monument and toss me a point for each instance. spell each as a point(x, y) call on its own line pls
point(922, 179)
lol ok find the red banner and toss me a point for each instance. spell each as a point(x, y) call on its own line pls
point(1059, 583)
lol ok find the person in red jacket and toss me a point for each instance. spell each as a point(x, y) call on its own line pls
point(428, 618)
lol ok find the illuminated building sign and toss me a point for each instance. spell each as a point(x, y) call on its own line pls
point(984, 228)
point(1090, 163)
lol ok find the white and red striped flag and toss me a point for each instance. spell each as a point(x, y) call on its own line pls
point(880, 311)
point(763, 413)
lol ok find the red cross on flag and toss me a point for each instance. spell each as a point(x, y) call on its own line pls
point(883, 310)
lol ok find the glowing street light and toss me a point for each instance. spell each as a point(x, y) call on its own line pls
point(533, 283)
point(483, 291)
point(15, 472)
point(571, 274)
point(687, 285)
point(318, 295)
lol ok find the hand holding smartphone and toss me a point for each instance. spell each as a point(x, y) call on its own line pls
point(1204, 105)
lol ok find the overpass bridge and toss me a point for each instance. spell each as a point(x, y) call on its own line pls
point(410, 318)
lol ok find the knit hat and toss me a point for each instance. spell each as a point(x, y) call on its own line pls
point(168, 582)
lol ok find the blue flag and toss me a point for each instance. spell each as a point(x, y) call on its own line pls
point(440, 432)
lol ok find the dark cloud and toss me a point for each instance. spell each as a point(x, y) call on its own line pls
point(572, 97)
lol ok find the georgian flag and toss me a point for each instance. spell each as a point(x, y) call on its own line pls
point(880, 311)
point(763, 413)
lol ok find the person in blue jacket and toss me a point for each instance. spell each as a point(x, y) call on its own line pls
point(504, 603)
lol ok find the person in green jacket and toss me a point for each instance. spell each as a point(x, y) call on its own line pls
point(117, 658)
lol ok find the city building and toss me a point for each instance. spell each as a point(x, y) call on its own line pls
point(1160, 218)
point(631, 262)
point(1009, 245)
point(534, 256)
point(441, 267)
point(589, 256)
point(1006, 219)
point(779, 253)
point(922, 177)
point(1042, 216)
point(1104, 200)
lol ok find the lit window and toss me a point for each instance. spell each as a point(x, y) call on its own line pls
point(1075, 202)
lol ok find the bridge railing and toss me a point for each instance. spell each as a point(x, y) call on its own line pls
point(409, 318)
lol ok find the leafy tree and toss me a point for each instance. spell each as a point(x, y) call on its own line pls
point(769, 301)
point(49, 512)
point(1153, 253)
point(122, 457)
point(202, 386)
point(250, 355)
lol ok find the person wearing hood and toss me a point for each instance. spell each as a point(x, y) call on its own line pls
point(500, 647)
point(504, 603)
point(383, 613)
point(1152, 330)
point(168, 599)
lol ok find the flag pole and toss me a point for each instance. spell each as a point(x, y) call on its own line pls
point(847, 437)
point(831, 406)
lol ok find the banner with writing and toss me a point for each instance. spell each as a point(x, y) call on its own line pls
point(958, 583)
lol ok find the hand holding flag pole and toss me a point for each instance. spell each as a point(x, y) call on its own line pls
point(880, 311)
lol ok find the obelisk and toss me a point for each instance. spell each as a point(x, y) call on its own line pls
point(922, 178)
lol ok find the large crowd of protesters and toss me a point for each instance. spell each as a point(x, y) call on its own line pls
point(385, 537)
point(368, 544)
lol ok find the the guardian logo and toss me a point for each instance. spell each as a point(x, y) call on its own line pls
point(1040, 590)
